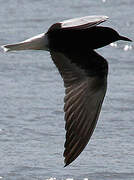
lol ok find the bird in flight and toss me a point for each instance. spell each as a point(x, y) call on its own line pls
point(72, 45)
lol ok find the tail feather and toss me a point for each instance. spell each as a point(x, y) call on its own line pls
point(38, 42)
point(13, 47)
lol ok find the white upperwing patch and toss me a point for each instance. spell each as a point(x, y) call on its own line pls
point(83, 21)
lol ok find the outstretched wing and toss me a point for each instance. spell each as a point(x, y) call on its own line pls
point(79, 23)
point(85, 91)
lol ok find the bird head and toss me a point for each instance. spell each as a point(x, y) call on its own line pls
point(111, 35)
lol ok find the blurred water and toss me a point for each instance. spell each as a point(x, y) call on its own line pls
point(31, 92)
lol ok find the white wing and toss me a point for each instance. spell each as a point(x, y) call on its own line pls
point(83, 22)
point(79, 23)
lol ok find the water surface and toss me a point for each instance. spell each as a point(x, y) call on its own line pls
point(31, 92)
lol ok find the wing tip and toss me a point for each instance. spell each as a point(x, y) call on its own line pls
point(66, 163)
point(105, 18)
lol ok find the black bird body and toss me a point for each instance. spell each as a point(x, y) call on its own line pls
point(72, 45)
point(80, 39)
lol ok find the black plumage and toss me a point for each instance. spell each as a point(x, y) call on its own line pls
point(72, 45)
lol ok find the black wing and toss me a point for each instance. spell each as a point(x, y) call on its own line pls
point(85, 90)
point(79, 23)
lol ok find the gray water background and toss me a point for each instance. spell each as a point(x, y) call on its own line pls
point(31, 97)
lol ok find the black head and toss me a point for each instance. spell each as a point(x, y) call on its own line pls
point(109, 35)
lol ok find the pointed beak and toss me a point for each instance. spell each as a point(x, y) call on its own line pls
point(39, 42)
point(124, 38)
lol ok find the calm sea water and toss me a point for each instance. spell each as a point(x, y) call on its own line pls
point(31, 97)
